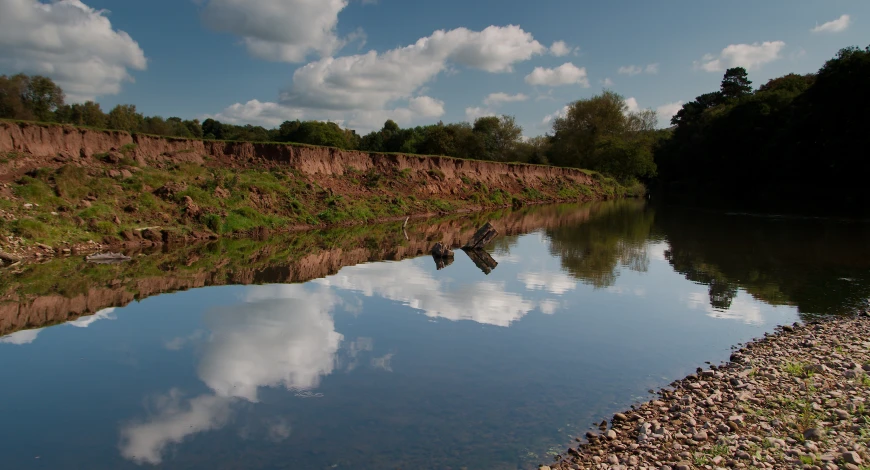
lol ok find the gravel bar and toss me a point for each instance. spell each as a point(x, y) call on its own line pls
point(797, 398)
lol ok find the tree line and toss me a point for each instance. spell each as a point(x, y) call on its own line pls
point(796, 137)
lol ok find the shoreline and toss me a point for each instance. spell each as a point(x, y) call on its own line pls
point(797, 398)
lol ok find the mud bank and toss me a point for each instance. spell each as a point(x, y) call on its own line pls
point(797, 398)
point(65, 188)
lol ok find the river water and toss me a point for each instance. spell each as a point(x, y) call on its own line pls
point(352, 350)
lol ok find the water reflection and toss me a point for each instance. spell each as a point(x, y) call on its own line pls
point(396, 363)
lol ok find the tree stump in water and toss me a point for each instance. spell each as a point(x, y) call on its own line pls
point(440, 250)
point(483, 236)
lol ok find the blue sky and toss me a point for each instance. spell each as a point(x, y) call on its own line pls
point(264, 61)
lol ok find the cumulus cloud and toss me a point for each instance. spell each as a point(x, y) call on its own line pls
point(21, 337)
point(474, 112)
point(173, 421)
point(560, 49)
point(286, 337)
point(748, 56)
point(743, 308)
point(278, 30)
point(630, 70)
point(833, 26)
point(70, 42)
point(407, 282)
point(632, 105)
point(548, 119)
point(565, 74)
point(362, 89)
point(426, 106)
point(607, 82)
point(495, 99)
point(553, 282)
point(668, 110)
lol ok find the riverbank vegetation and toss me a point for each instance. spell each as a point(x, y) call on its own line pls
point(796, 138)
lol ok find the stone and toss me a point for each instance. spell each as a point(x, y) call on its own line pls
point(611, 434)
point(841, 414)
point(700, 436)
point(620, 417)
point(813, 434)
point(852, 458)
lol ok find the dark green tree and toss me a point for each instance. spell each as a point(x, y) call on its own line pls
point(735, 83)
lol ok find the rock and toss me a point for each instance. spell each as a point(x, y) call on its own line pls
point(700, 436)
point(190, 208)
point(841, 414)
point(611, 434)
point(221, 193)
point(9, 258)
point(683, 466)
point(620, 417)
point(126, 174)
point(852, 458)
point(813, 434)
point(170, 189)
point(152, 235)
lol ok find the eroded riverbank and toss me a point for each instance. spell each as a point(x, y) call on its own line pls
point(65, 189)
point(796, 398)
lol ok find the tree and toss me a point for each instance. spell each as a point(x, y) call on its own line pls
point(124, 117)
point(735, 83)
point(12, 91)
point(601, 133)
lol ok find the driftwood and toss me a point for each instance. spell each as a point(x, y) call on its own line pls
point(482, 260)
point(107, 258)
point(483, 236)
point(441, 250)
point(441, 263)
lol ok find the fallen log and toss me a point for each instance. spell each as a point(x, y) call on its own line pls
point(483, 236)
point(441, 263)
point(106, 258)
point(6, 257)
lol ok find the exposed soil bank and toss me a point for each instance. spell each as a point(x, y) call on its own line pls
point(797, 398)
point(42, 294)
point(64, 186)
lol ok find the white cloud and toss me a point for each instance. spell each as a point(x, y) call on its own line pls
point(630, 70)
point(748, 56)
point(495, 99)
point(632, 105)
point(286, 337)
point(426, 106)
point(668, 110)
point(607, 82)
point(472, 113)
point(565, 74)
point(549, 307)
point(364, 90)
point(560, 49)
point(104, 314)
point(406, 282)
point(70, 42)
point(743, 308)
point(21, 337)
point(833, 26)
point(553, 282)
point(548, 119)
point(144, 442)
point(383, 363)
point(279, 30)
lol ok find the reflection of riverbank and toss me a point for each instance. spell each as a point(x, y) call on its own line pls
point(64, 289)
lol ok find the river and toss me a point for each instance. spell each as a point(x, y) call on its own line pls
point(352, 349)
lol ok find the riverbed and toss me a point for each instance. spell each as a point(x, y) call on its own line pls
point(355, 349)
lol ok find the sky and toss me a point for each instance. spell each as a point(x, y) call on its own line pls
point(361, 62)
